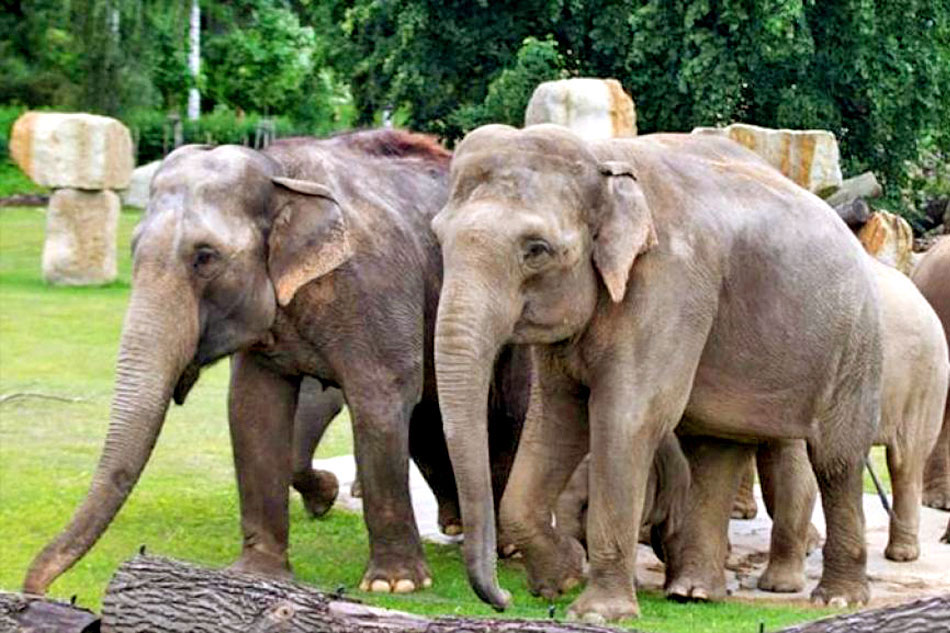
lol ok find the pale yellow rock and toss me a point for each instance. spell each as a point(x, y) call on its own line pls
point(808, 157)
point(591, 108)
point(80, 246)
point(79, 151)
point(889, 239)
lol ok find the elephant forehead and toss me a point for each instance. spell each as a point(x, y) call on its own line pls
point(524, 177)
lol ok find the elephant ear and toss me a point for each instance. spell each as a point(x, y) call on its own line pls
point(622, 227)
point(308, 237)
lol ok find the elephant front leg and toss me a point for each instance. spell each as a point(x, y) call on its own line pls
point(745, 507)
point(789, 489)
point(261, 408)
point(381, 436)
point(696, 555)
point(553, 441)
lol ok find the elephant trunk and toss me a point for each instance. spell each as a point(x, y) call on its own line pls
point(156, 346)
point(468, 336)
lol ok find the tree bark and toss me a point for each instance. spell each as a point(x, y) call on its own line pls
point(33, 614)
point(920, 616)
point(157, 595)
point(194, 60)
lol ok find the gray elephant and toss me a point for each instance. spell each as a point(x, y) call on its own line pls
point(316, 408)
point(932, 277)
point(310, 258)
point(652, 276)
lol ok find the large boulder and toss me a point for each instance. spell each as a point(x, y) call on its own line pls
point(591, 108)
point(80, 243)
point(808, 157)
point(889, 239)
point(137, 193)
point(80, 151)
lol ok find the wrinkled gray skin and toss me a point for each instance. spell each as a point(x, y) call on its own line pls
point(311, 258)
point(663, 504)
point(316, 408)
point(932, 277)
point(651, 277)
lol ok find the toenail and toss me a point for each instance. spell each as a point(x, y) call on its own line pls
point(380, 586)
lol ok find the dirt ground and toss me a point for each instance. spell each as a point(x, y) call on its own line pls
point(890, 582)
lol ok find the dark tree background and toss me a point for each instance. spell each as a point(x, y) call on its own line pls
point(875, 72)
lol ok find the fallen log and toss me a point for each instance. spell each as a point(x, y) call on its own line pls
point(921, 616)
point(155, 594)
point(21, 613)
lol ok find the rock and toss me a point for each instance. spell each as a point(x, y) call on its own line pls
point(591, 108)
point(80, 243)
point(855, 213)
point(79, 151)
point(863, 186)
point(808, 157)
point(889, 239)
point(137, 193)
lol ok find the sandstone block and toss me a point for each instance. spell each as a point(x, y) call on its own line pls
point(889, 239)
point(137, 193)
point(591, 108)
point(79, 151)
point(808, 157)
point(81, 229)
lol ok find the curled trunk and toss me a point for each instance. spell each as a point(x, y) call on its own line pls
point(156, 345)
point(466, 343)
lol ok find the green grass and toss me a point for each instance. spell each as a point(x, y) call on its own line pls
point(62, 342)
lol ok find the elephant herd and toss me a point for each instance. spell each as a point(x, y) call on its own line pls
point(530, 320)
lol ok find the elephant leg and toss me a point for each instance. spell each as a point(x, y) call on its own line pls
point(571, 509)
point(789, 490)
point(906, 470)
point(316, 408)
point(937, 471)
point(744, 507)
point(381, 436)
point(696, 555)
point(553, 441)
point(428, 449)
point(261, 408)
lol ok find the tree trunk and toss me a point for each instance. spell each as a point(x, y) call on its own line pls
point(20, 613)
point(157, 595)
point(920, 616)
point(194, 60)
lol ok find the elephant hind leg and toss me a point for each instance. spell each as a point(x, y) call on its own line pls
point(745, 507)
point(936, 492)
point(316, 408)
point(430, 453)
point(906, 470)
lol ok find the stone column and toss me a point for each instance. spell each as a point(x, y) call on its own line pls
point(83, 157)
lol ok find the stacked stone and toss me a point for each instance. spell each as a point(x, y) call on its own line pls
point(84, 158)
point(591, 108)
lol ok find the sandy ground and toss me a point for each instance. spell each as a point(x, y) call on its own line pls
point(890, 582)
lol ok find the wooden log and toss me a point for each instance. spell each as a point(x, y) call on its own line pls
point(34, 614)
point(160, 595)
point(929, 615)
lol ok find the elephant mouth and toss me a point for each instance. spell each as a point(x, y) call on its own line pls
point(186, 381)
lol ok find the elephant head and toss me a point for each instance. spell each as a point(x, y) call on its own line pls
point(225, 239)
point(537, 233)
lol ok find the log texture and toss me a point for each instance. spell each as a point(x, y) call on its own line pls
point(160, 595)
point(930, 615)
point(33, 614)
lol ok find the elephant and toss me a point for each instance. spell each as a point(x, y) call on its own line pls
point(316, 408)
point(310, 258)
point(650, 276)
point(932, 277)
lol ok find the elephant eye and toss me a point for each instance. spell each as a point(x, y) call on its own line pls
point(204, 256)
point(535, 250)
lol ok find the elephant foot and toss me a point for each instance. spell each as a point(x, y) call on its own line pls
point(396, 576)
point(946, 535)
point(902, 551)
point(450, 518)
point(697, 585)
point(841, 594)
point(319, 489)
point(782, 578)
point(556, 567)
point(356, 489)
point(937, 497)
point(599, 606)
point(258, 563)
point(744, 507)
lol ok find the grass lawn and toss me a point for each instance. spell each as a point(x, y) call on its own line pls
point(62, 342)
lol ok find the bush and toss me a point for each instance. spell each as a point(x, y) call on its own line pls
point(8, 115)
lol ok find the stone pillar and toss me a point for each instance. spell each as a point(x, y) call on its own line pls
point(591, 108)
point(83, 157)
